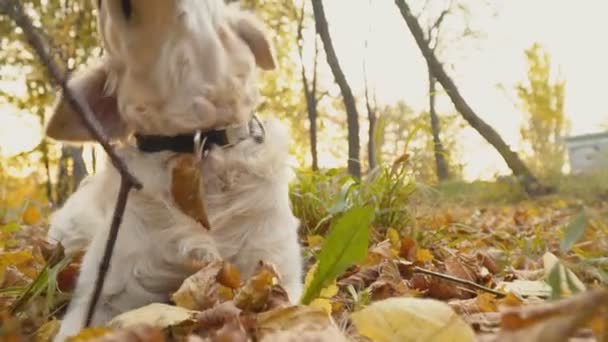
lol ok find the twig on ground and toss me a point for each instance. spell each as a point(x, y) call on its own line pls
point(15, 10)
point(460, 281)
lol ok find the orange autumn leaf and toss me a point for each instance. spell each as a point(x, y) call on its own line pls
point(229, 276)
point(31, 216)
point(408, 248)
point(423, 255)
point(187, 189)
point(487, 302)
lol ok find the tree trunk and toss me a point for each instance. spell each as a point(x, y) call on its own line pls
point(371, 118)
point(310, 91)
point(371, 114)
point(62, 188)
point(44, 148)
point(440, 161)
point(354, 165)
point(520, 170)
point(371, 142)
point(79, 169)
point(71, 172)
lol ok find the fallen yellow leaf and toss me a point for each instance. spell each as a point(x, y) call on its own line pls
point(30, 216)
point(47, 331)
point(411, 319)
point(89, 334)
point(423, 255)
point(297, 323)
point(156, 314)
point(393, 236)
point(323, 301)
point(487, 302)
point(315, 241)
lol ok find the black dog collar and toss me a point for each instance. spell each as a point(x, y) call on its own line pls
point(203, 141)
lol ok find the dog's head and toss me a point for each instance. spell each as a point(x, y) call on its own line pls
point(167, 64)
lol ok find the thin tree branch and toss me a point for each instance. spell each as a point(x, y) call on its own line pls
point(530, 183)
point(128, 181)
point(16, 11)
point(119, 210)
point(459, 281)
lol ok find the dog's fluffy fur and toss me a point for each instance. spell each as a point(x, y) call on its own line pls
point(174, 67)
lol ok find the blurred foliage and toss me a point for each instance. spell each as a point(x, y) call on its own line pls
point(402, 131)
point(542, 100)
point(318, 197)
point(69, 28)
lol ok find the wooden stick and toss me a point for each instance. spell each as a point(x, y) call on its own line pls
point(460, 281)
point(15, 10)
point(121, 204)
point(128, 181)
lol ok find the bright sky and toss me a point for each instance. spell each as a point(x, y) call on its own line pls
point(571, 30)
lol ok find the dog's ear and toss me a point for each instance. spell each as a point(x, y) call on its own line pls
point(90, 85)
point(252, 31)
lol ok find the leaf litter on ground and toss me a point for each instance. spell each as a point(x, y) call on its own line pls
point(360, 276)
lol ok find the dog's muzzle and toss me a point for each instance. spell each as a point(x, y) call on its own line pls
point(201, 141)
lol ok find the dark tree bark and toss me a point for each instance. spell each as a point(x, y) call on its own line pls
point(520, 170)
point(310, 90)
point(71, 172)
point(354, 164)
point(371, 117)
point(79, 169)
point(440, 160)
point(62, 188)
point(93, 160)
point(44, 148)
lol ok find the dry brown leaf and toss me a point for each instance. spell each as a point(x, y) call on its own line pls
point(511, 299)
point(188, 190)
point(554, 321)
point(456, 267)
point(297, 323)
point(408, 249)
point(488, 262)
point(67, 277)
point(217, 316)
point(376, 254)
point(389, 283)
point(231, 331)
point(136, 333)
point(361, 279)
point(229, 276)
point(487, 302)
point(254, 295)
point(201, 290)
point(483, 322)
point(438, 288)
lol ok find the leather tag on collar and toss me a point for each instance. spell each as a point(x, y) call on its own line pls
point(188, 188)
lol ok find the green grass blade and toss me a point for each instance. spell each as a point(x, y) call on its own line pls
point(574, 231)
point(346, 244)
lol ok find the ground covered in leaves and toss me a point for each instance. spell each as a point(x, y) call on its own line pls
point(377, 268)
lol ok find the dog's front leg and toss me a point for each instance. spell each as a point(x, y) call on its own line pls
point(75, 224)
point(74, 319)
point(193, 243)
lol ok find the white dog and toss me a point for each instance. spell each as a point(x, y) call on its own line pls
point(175, 67)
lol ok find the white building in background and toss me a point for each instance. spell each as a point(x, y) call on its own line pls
point(588, 152)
